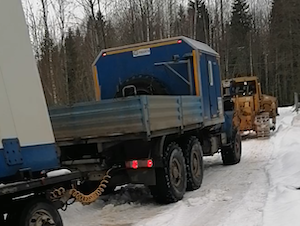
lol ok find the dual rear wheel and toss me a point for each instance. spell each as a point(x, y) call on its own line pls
point(182, 170)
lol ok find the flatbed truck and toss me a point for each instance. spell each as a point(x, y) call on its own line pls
point(159, 110)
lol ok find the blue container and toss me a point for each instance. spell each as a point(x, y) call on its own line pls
point(182, 65)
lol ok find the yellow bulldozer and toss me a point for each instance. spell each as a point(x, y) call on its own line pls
point(254, 111)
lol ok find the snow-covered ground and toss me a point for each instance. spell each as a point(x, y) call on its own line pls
point(263, 189)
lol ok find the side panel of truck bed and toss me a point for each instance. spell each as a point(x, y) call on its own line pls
point(125, 116)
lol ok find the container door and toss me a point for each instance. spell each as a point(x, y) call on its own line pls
point(213, 85)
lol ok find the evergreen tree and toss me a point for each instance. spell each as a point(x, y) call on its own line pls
point(239, 40)
point(101, 27)
point(285, 49)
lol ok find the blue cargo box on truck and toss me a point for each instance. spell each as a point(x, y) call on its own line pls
point(175, 66)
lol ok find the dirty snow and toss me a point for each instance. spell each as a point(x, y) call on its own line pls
point(262, 190)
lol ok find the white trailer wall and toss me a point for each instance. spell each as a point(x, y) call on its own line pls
point(23, 110)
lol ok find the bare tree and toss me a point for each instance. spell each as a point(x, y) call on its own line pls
point(48, 50)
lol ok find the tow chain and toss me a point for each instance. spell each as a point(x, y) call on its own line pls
point(88, 199)
point(80, 197)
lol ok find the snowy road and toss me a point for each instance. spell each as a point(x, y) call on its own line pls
point(243, 194)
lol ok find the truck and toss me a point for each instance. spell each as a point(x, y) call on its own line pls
point(254, 110)
point(158, 111)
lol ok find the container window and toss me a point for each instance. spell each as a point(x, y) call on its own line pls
point(210, 73)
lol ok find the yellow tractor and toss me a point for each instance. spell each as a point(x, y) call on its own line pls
point(254, 111)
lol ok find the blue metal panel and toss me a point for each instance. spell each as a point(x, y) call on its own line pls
point(12, 152)
point(213, 85)
point(115, 69)
point(35, 158)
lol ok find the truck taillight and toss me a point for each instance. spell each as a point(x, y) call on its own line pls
point(104, 54)
point(149, 163)
point(179, 41)
point(135, 164)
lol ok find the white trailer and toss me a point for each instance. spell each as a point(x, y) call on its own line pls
point(27, 146)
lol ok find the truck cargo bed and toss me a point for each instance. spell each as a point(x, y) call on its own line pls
point(139, 115)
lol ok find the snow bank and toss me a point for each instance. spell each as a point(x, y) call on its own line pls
point(283, 203)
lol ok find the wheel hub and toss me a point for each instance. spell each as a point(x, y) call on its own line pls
point(41, 218)
point(237, 145)
point(176, 172)
point(195, 162)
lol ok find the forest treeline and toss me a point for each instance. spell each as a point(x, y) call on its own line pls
point(262, 41)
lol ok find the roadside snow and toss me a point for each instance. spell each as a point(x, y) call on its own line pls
point(261, 190)
point(283, 202)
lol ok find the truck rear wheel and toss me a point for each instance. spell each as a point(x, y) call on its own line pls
point(171, 180)
point(232, 154)
point(39, 212)
point(194, 164)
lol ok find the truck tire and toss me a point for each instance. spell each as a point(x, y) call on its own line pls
point(39, 212)
point(145, 85)
point(171, 180)
point(194, 164)
point(232, 154)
